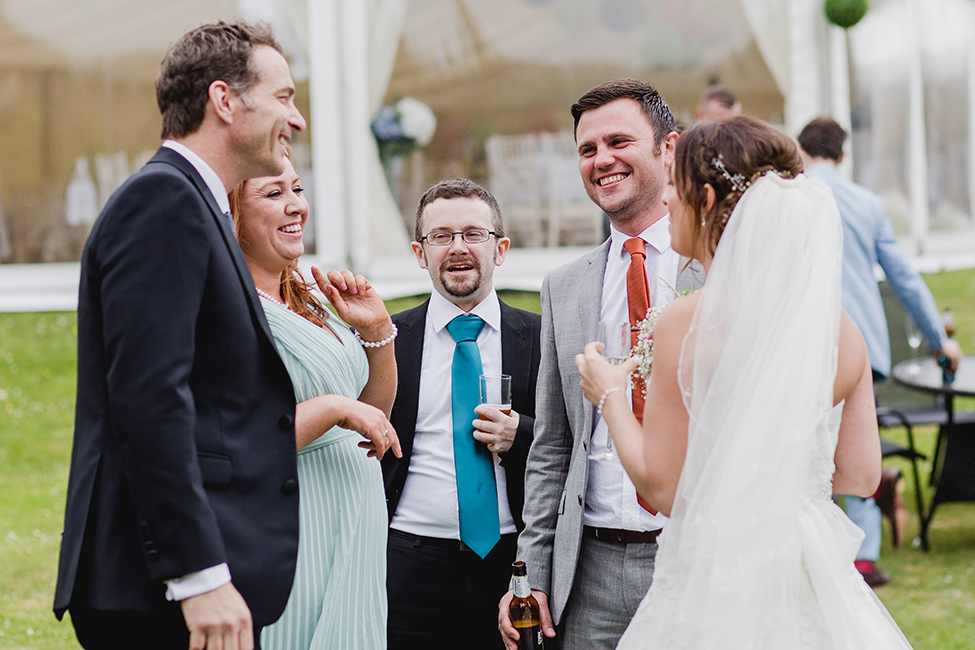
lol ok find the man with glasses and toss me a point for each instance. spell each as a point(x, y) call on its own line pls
point(456, 495)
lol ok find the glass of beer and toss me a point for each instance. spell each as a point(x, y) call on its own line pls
point(496, 393)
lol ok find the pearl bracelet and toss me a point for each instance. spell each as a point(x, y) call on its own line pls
point(602, 399)
point(377, 344)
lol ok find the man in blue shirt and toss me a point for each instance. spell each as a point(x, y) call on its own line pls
point(868, 240)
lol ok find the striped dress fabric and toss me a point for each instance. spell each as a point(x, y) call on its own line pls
point(339, 595)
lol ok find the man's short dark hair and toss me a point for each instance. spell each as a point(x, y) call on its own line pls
point(217, 51)
point(720, 94)
point(654, 107)
point(458, 188)
point(823, 138)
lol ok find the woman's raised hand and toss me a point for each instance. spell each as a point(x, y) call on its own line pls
point(597, 375)
point(356, 302)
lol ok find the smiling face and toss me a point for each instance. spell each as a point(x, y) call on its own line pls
point(622, 169)
point(272, 217)
point(462, 273)
point(268, 116)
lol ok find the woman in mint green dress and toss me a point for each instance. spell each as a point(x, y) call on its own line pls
point(345, 383)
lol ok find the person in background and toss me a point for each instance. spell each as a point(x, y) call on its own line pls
point(345, 382)
point(455, 497)
point(717, 104)
point(868, 240)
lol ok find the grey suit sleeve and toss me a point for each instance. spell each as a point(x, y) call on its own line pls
point(908, 284)
point(548, 459)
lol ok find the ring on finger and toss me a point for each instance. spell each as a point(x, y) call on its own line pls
point(385, 433)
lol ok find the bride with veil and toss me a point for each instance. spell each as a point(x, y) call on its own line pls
point(758, 408)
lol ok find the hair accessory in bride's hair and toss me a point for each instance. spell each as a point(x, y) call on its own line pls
point(737, 180)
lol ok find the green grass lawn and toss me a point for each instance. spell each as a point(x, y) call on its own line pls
point(932, 595)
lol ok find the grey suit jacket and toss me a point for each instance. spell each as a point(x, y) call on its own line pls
point(558, 467)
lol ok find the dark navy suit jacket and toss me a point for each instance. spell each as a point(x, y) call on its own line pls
point(520, 354)
point(184, 445)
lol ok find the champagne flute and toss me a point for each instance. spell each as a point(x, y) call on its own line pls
point(615, 337)
point(913, 333)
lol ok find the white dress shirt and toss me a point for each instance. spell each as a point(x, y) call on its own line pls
point(610, 495)
point(213, 182)
point(428, 505)
point(206, 580)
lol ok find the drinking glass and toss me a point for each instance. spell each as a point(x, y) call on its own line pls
point(913, 333)
point(495, 391)
point(615, 337)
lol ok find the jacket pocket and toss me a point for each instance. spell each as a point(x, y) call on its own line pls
point(216, 469)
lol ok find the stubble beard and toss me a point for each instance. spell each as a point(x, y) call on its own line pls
point(635, 207)
point(462, 289)
point(262, 161)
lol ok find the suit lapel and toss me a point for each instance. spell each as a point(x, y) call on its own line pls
point(409, 359)
point(516, 352)
point(166, 155)
point(690, 278)
point(588, 283)
point(591, 291)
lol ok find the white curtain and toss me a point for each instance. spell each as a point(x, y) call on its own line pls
point(798, 49)
point(386, 19)
point(351, 49)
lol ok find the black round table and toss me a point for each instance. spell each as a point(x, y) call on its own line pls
point(953, 468)
point(925, 375)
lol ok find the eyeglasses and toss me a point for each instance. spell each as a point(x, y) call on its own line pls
point(470, 236)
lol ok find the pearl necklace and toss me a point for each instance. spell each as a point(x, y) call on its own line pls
point(270, 297)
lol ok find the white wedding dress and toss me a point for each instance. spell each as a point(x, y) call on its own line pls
point(755, 554)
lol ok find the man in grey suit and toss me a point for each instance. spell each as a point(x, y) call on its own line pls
point(588, 543)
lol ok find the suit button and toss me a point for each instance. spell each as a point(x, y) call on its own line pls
point(152, 555)
point(286, 422)
point(290, 486)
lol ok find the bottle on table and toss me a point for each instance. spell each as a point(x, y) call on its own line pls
point(948, 318)
point(523, 611)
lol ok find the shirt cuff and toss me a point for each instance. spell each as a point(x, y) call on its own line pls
point(194, 584)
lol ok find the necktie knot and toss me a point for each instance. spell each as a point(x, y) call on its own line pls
point(635, 246)
point(465, 327)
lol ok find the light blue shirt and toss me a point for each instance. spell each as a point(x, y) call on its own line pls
point(868, 239)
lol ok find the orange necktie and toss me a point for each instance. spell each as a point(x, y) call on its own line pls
point(638, 303)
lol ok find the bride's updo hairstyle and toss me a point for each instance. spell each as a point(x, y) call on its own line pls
point(729, 156)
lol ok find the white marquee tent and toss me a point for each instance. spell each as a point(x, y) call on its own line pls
point(75, 80)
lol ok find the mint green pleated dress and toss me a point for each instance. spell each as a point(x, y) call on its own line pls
point(339, 595)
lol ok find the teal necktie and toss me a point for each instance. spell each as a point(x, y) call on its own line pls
point(477, 491)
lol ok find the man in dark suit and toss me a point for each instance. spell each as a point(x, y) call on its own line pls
point(449, 555)
point(181, 524)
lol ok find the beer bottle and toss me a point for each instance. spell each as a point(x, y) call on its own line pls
point(523, 611)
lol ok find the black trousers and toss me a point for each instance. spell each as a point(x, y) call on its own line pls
point(444, 596)
point(112, 630)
